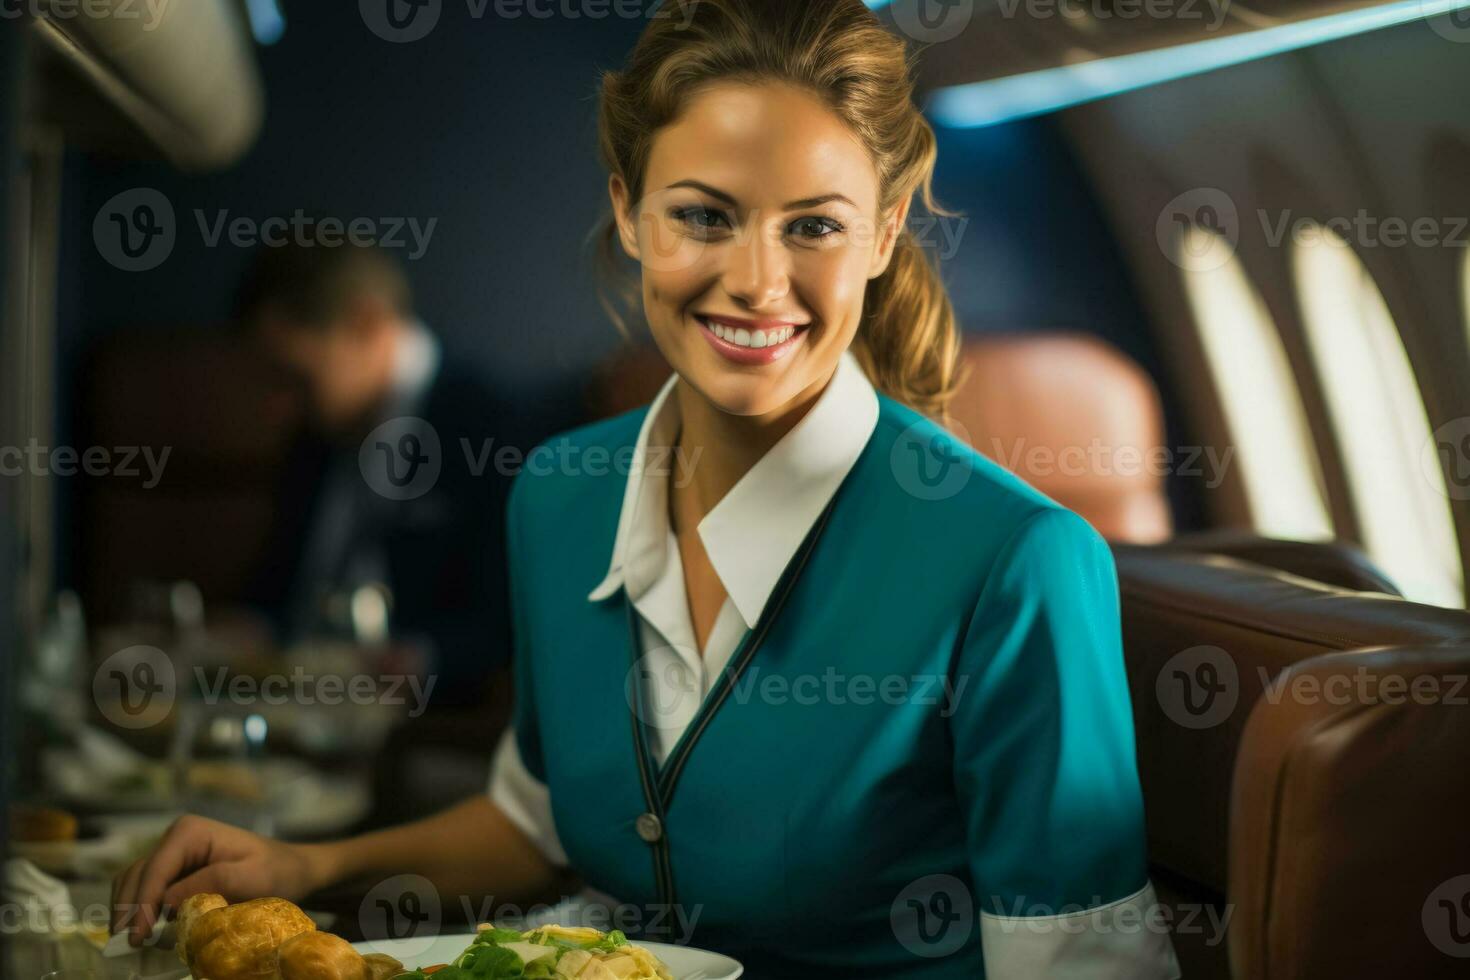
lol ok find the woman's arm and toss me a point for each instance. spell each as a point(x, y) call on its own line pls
point(471, 849)
point(1044, 765)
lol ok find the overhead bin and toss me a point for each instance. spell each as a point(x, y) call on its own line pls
point(177, 76)
point(988, 61)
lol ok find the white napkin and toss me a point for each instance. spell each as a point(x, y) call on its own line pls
point(118, 945)
point(28, 886)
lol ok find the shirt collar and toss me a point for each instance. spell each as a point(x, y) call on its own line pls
point(752, 534)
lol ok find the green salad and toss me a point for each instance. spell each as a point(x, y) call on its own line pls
point(548, 953)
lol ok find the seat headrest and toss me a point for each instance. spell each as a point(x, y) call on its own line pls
point(1076, 419)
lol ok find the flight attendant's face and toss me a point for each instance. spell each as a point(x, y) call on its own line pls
point(758, 232)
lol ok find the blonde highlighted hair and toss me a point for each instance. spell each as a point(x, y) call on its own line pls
point(908, 341)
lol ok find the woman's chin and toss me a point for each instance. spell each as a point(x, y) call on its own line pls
point(742, 394)
point(748, 403)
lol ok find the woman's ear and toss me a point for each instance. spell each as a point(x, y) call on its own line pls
point(617, 190)
point(892, 228)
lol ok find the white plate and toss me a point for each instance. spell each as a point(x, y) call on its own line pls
point(684, 962)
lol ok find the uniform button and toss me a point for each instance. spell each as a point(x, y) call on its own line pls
point(650, 828)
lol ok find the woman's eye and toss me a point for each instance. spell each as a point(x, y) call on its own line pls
point(814, 228)
point(702, 219)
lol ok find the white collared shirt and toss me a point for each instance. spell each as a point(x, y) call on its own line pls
point(750, 536)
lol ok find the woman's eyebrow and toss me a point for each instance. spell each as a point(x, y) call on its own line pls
point(806, 202)
point(704, 188)
point(812, 202)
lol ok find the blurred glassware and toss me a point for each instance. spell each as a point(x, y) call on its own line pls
point(55, 686)
point(186, 610)
point(370, 606)
point(361, 614)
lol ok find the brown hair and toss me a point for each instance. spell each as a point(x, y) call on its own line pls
point(311, 285)
point(908, 342)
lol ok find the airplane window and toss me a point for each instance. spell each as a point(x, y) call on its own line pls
point(1262, 406)
point(1379, 419)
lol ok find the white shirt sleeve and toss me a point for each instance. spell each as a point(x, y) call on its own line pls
point(524, 799)
point(1128, 939)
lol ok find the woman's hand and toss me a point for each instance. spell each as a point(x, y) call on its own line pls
point(199, 855)
point(470, 850)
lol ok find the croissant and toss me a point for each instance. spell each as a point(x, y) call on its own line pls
point(323, 956)
point(218, 941)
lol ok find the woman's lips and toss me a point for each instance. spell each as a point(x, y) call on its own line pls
point(736, 340)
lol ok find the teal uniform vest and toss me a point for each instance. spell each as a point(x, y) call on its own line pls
point(930, 721)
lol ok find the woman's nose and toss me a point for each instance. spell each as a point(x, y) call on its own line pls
point(757, 271)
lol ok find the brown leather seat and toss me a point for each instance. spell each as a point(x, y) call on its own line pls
point(1348, 851)
point(1338, 563)
point(1077, 419)
point(1205, 636)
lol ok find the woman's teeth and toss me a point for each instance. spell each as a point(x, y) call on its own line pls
point(752, 338)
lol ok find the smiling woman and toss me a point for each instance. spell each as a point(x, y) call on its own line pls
point(732, 234)
point(847, 701)
point(761, 245)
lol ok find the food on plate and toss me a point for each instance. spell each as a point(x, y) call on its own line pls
point(272, 939)
point(219, 941)
point(267, 939)
point(549, 953)
point(323, 956)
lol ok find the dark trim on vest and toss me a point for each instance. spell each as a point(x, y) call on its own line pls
point(659, 782)
point(663, 872)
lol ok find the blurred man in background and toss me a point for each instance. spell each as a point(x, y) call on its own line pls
point(378, 488)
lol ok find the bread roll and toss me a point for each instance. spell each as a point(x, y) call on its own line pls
point(41, 825)
point(237, 942)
